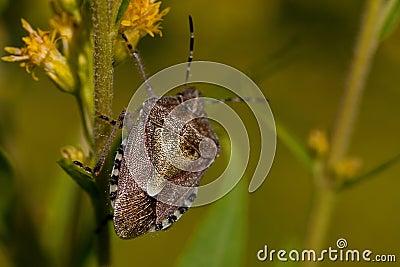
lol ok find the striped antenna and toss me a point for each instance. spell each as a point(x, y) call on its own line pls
point(191, 48)
point(139, 64)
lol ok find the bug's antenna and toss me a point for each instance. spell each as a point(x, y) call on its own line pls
point(139, 64)
point(191, 48)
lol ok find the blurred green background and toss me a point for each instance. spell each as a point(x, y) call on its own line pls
point(297, 51)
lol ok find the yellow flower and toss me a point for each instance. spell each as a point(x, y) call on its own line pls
point(348, 167)
point(40, 51)
point(318, 142)
point(63, 23)
point(142, 17)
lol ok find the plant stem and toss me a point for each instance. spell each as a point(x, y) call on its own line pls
point(321, 214)
point(103, 82)
point(325, 194)
point(86, 121)
point(364, 51)
point(103, 70)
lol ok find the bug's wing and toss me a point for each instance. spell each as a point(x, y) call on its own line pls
point(134, 212)
point(155, 184)
point(176, 197)
point(134, 209)
point(138, 163)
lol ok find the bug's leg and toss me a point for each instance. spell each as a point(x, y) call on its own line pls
point(243, 99)
point(109, 120)
point(237, 100)
point(86, 168)
point(135, 54)
point(117, 125)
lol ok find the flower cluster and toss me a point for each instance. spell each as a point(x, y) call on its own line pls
point(50, 50)
point(142, 17)
point(41, 51)
point(319, 145)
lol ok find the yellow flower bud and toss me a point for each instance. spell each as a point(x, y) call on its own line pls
point(318, 142)
point(348, 167)
point(72, 153)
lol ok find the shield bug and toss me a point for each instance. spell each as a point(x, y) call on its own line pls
point(162, 160)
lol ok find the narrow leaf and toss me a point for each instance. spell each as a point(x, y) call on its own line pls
point(81, 177)
point(384, 166)
point(18, 232)
point(221, 237)
point(7, 193)
point(391, 16)
point(121, 11)
point(294, 145)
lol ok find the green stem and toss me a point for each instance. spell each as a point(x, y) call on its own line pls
point(103, 82)
point(325, 195)
point(321, 214)
point(103, 70)
point(86, 121)
point(364, 51)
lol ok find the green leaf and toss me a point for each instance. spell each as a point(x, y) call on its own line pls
point(221, 237)
point(384, 166)
point(7, 193)
point(81, 177)
point(6, 180)
point(391, 16)
point(124, 5)
point(18, 232)
point(294, 145)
